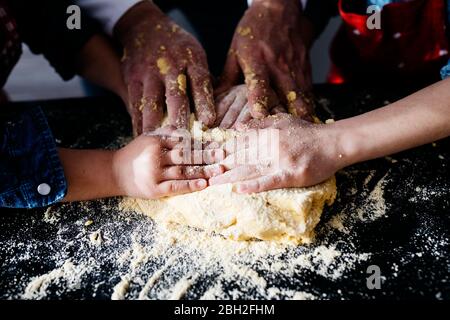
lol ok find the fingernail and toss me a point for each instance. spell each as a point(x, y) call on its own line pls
point(240, 188)
point(218, 169)
point(201, 183)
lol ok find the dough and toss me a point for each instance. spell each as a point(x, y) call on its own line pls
point(283, 215)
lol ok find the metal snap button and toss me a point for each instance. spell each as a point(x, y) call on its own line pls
point(43, 189)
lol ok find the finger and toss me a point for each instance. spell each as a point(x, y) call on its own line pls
point(174, 141)
point(241, 173)
point(176, 99)
point(171, 137)
point(176, 187)
point(202, 94)
point(135, 95)
point(261, 184)
point(238, 158)
point(230, 75)
point(290, 93)
point(152, 103)
point(244, 117)
point(234, 111)
point(211, 156)
point(301, 63)
point(278, 109)
point(240, 142)
point(191, 172)
point(276, 121)
point(259, 91)
point(300, 74)
point(183, 156)
point(223, 103)
point(308, 76)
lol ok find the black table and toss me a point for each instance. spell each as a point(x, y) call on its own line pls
point(406, 232)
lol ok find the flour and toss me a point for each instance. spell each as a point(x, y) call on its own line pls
point(169, 261)
point(120, 289)
point(181, 287)
point(375, 203)
point(68, 274)
point(51, 216)
point(227, 260)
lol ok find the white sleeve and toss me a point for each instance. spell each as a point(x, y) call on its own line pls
point(302, 1)
point(107, 12)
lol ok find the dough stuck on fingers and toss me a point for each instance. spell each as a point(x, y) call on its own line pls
point(284, 215)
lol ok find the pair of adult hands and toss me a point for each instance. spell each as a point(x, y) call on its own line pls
point(163, 65)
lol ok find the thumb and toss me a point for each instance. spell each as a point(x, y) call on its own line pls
point(230, 74)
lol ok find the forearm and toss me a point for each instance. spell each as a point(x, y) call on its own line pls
point(418, 119)
point(99, 63)
point(89, 174)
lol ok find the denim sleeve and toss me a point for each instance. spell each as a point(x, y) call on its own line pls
point(31, 174)
point(445, 71)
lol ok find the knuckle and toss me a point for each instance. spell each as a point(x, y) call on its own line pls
point(179, 171)
point(305, 171)
point(257, 185)
point(191, 185)
point(173, 187)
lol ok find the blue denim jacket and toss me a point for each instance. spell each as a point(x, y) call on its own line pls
point(31, 174)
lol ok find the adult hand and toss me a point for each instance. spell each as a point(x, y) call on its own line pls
point(163, 65)
point(268, 50)
point(284, 152)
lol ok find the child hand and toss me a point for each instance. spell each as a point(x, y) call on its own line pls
point(232, 108)
point(153, 166)
point(296, 154)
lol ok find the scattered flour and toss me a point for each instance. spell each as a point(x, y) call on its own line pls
point(168, 261)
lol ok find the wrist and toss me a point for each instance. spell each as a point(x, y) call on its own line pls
point(348, 147)
point(143, 11)
point(116, 172)
point(88, 173)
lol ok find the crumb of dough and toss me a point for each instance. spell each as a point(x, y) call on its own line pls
point(291, 96)
point(391, 160)
point(181, 80)
point(120, 289)
point(258, 107)
point(244, 31)
point(96, 238)
point(142, 104)
point(163, 65)
point(317, 120)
